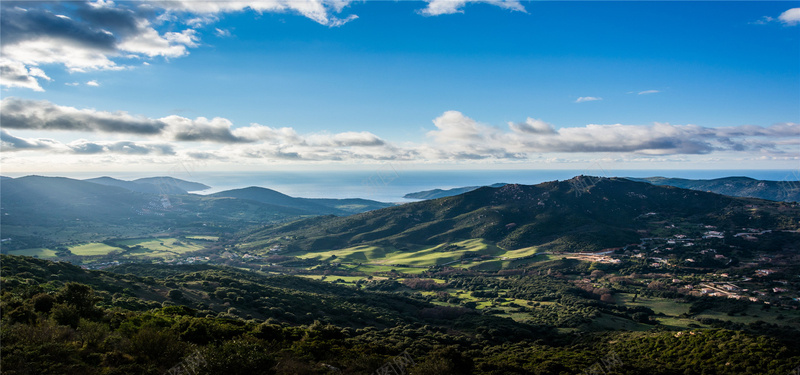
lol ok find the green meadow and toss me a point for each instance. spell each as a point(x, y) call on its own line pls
point(35, 252)
point(444, 254)
point(93, 249)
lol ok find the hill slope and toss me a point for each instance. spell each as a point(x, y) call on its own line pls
point(787, 191)
point(581, 214)
point(52, 199)
point(439, 193)
point(138, 187)
point(166, 182)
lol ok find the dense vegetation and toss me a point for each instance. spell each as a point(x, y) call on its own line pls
point(60, 319)
point(495, 281)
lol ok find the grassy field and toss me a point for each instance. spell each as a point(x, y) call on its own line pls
point(658, 305)
point(372, 268)
point(37, 252)
point(423, 257)
point(93, 249)
point(160, 247)
point(507, 263)
point(149, 248)
point(464, 254)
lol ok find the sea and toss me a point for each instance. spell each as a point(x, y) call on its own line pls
point(390, 184)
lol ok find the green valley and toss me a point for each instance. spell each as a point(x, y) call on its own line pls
point(517, 279)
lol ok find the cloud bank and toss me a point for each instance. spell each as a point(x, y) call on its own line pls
point(453, 137)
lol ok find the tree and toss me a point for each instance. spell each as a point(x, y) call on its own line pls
point(79, 296)
point(175, 294)
point(43, 302)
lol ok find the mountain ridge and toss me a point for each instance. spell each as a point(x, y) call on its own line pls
point(736, 186)
point(441, 193)
point(584, 213)
point(324, 206)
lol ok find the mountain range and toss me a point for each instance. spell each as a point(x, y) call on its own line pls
point(785, 191)
point(311, 205)
point(439, 193)
point(38, 210)
point(584, 213)
point(152, 185)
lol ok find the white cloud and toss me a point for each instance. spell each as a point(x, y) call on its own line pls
point(15, 74)
point(56, 51)
point(24, 114)
point(587, 99)
point(38, 73)
point(460, 137)
point(647, 92)
point(454, 126)
point(10, 143)
point(222, 33)
point(346, 139)
point(97, 35)
point(317, 10)
point(455, 137)
point(790, 17)
point(92, 83)
point(764, 20)
point(201, 129)
point(150, 43)
point(440, 7)
point(533, 126)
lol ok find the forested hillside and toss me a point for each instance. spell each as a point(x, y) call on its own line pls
point(59, 319)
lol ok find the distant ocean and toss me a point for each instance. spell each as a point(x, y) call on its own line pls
point(387, 184)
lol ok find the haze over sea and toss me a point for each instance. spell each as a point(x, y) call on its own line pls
point(390, 184)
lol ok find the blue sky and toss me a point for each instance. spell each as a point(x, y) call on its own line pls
point(318, 84)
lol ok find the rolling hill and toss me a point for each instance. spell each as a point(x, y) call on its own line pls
point(313, 206)
point(142, 187)
point(47, 211)
point(166, 182)
point(42, 211)
point(581, 214)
